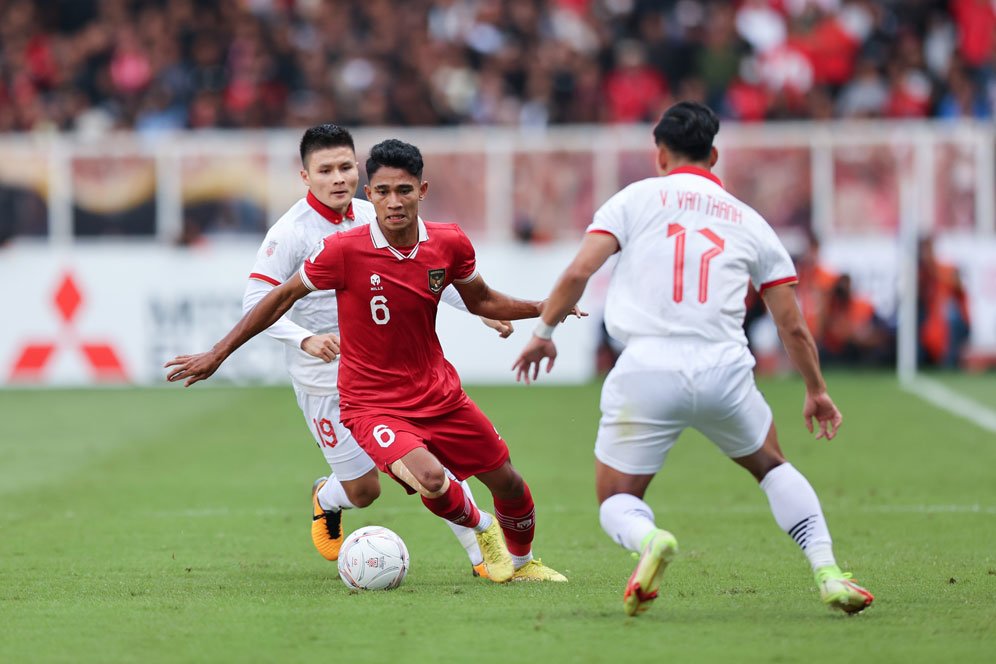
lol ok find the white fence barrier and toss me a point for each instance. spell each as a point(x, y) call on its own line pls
point(115, 313)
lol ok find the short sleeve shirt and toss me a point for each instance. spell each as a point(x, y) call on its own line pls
point(391, 360)
point(687, 251)
point(286, 246)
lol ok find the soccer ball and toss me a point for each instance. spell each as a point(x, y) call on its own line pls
point(373, 558)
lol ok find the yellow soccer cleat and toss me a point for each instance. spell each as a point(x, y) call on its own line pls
point(496, 556)
point(659, 549)
point(535, 570)
point(838, 591)
point(326, 525)
point(480, 570)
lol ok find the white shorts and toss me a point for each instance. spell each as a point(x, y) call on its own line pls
point(645, 409)
point(345, 457)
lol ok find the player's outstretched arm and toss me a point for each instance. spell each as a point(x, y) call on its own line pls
point(486, 302)
point(275, 304)
point(452, 297)
point(594, 251)
point(801, 349)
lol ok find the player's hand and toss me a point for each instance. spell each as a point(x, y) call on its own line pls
point(323, 346)
point(821, 407)
point(531, 357)
point(575, 311)
point(503, 327)
point(193, 367)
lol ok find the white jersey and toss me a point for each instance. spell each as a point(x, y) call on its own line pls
point(687, 250)
point(286, 246)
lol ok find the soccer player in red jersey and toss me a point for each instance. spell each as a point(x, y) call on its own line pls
point(400, 398)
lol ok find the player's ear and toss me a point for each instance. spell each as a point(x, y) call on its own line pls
point(663, 157)
point(422, 190)
point(305, 179)
point(367, 191)
point(713, 156)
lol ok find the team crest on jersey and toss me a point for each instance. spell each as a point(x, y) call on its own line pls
point(271, 247)
point(436, 279)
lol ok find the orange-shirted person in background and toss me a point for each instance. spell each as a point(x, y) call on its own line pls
point(850, 331)
point(815, 285)
point(942, 309)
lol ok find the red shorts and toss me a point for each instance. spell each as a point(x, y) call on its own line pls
point(464, 440)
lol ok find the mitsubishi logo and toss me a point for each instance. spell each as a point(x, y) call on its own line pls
point(35, 356)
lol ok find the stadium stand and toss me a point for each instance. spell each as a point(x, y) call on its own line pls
point(153, 65)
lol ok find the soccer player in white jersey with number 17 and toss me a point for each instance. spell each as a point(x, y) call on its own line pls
point(686, 251)
point(310, 330)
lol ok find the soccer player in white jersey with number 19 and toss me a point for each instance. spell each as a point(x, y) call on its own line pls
point(310, 330)
point(686, 251)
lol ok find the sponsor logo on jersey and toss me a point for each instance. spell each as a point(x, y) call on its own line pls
point(271, 247)
point(375, 282)
point(436, 279)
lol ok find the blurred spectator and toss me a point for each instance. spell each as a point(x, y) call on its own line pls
point(816, 283)
point(156, 65)
point(850, 331)
point(942, 310)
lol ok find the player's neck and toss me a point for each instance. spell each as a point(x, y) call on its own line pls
point(400, 239)
point(687, 163)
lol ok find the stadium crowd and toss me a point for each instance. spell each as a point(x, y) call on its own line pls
point(163, 64)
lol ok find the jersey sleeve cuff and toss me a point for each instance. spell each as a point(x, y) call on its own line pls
point(778, 282)
point(263, 277)
point(602, 231)
point(307, 282)
point(467, 280)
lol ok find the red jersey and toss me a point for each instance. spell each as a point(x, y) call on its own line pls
point(391, 361)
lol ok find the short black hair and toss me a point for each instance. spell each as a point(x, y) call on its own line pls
point(688, 128)
point(324, 136)
point(395, 154)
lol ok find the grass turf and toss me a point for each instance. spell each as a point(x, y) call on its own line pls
point(171, 525)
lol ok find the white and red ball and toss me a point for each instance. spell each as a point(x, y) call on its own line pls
point(373, 558)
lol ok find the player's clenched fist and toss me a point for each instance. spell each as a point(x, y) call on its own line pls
point(193, 367)
point(323, 346)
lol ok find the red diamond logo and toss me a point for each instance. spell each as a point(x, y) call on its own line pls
point(35, 356)
point(67, 298)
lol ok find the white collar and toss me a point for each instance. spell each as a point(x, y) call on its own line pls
point(380, 242)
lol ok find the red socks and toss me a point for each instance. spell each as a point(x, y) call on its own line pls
point(517, 518)
point(455, 506)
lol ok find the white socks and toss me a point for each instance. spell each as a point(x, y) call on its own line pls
point(797, 511)
point(520, 561)
point(466, 536)
point(332, 496)
point(626, 519)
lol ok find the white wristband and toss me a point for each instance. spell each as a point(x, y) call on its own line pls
point(544, 331)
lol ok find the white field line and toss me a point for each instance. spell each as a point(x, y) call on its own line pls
point(947, 399)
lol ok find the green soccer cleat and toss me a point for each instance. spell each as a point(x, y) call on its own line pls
point(496, 556)
point(659, 549)
point(535, 570)
point(838, 591)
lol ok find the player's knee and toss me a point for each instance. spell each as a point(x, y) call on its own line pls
point(433, 481)
point(363, 494)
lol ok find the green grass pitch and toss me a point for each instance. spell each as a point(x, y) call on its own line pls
point(165, 525)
